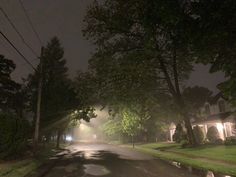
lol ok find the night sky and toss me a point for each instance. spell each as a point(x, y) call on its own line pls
point(64, 19)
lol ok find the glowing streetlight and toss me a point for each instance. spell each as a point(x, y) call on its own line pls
point(68, 138)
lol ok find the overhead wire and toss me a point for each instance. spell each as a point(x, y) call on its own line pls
point(14, 47)
point(30, 22)
point(17, 31)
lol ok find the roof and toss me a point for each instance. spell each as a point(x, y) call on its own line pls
point(214, 99)
point(221, 117)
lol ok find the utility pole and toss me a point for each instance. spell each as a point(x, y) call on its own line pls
point(39, 97)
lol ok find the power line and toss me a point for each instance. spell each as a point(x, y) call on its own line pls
point(17, 31)
point(9, 52)
point(38, 115)
point(30, 22)
point(26, 60)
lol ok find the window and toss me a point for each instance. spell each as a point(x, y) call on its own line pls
point(207, 109)
point(221, 105)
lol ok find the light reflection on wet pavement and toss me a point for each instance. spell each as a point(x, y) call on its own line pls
point(87, 160)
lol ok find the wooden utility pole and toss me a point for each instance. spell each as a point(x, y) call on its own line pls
point(38, 112)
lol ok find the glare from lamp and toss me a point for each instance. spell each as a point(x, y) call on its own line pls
point(68, 138)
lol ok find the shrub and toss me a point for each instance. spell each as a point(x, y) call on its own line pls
point(184, 143)
point(230, 140)
point(199, 135)
point(219, 141)
point(206, 141)
point(179, 134)
point(213, 134)
point(13, 136)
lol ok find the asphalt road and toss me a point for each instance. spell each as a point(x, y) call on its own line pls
point(87, 160)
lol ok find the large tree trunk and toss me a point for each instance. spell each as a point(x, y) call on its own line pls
point(190, 134)
point(187, 123)
point(175, 92)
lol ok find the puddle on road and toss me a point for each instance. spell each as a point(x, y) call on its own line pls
point(198, 172)
point(96, 170)
point(92, 155)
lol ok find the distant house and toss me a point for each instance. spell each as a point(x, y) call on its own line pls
point(216, 112)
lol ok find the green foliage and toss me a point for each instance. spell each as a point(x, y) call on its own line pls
point(130, 122)
point(199, 135)
point(14, 133)
point(146, 53)
point(219, 141)
point(112, 127)
point(230, 140)
point(213, 134)
point(85, 113)
point(179, 134)
point(184, 143)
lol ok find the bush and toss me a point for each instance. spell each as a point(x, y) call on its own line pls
point(230, 140)
point(180, 134)
point(213, 134)
point(184, 143)
point(199, 135)
point(13, 136)
point(219, 141)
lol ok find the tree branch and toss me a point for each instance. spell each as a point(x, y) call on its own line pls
point(175, 72)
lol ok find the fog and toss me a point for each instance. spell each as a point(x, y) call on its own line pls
point(90, 131)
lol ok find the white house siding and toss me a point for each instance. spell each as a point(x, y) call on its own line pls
point(225, 127)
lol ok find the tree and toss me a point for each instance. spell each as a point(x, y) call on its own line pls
point(153, 35)
point(112, 128)
point(213, 134)
point(58, 95)
point(180, 134)
point(8, 87)
point(14, 134)
point(195, 98)
point(130, 123)
point(85, 85)
point(214, 40)
point(198, 134)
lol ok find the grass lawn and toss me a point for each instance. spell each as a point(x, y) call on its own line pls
point(221, 159)
point(162, 145)
point(222, 153)
point(20, 168)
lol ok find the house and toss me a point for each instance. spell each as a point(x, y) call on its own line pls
point(215, 112)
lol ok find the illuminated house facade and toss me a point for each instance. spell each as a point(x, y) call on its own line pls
point(219, 113)
point(215, 112)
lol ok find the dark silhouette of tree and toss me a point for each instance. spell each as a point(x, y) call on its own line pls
point(8, 87)
point(58, 95)
point(195, 98)
point(214, 39)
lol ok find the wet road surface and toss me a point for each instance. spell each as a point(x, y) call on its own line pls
point(88, 160)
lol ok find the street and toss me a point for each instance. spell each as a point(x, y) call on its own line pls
point(90, 159)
